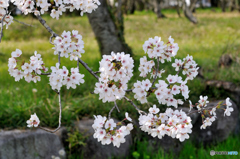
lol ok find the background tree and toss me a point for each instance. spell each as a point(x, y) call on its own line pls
point(188, 13)
point(157, 8)
point(214, 3)
point(224, 5)
point(109, 29)
point(193, 5)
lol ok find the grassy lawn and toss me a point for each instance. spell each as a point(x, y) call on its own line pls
point(217, 33)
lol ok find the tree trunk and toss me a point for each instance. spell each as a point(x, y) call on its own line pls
point(193, 5)
point(237, 5)
point(129, 6)
point(109, 36)
point(178, 9)
point(139, 5)
point(214, 3)
point(223, 5)
point(188, 14)
point(157, 9)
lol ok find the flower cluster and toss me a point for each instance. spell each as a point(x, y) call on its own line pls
point(8, 19)
point(209, 114)
point(30, 70)
point(148, 66)
point(229, 109)
point(60, 77)
point(69, 45)
point(141, 90)
point(107, 131)
point(202, 104)
point(33, 121)
point(116, 70)
point(155, 48)
point(165, 92)
point(57, 6)
point(188, 66)
point(172, 123)
point(145, 66)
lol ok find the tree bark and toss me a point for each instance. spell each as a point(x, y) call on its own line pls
point(214, 3)
point(139, 5)
point(178, 9)
point(129, 6)
point(109, 36)
point(157, 9)
point(188, 14)
point(193, 5)
point(223, 5)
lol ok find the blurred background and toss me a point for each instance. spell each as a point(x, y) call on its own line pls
point(209, 30)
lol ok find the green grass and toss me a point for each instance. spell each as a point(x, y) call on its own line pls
point(142, 150)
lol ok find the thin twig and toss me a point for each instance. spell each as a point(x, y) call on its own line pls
point(139, 111)
point(78, 65)
point(60, 117)
point(60, 106)
point(115, 103)
point(23, 23)
point(89, 69)
point(97, 72)
point(155, 77)
point(156, 72)
point(45, 74)
point(43, 22)
point(59, 59)
point(1, 35)
point(195, 111)
point(110, 112)
point(50, 39)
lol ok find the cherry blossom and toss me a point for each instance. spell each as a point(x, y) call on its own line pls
point(112, 133)
point(69, 45)
point(116, 70)
point(172, 123)
point(33, 121)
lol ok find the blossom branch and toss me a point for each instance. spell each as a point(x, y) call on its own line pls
point(78, 65)
point(97, 72)
point(110, 112)
point(156, 72)
point(139, 111)
point(89, 69)
point(45, 74)
point(116, 106)
point(50, 39)
point(43, 22)
point(1, 35)
point(22, 23)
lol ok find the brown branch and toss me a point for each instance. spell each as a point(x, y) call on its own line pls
point(43, 22)
point(1, 35)
point(97, 72)
point(23, 23)
point(139, 111)
point(115, 106)
point(45, 74)
point(89, 69)
point(156, 72)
